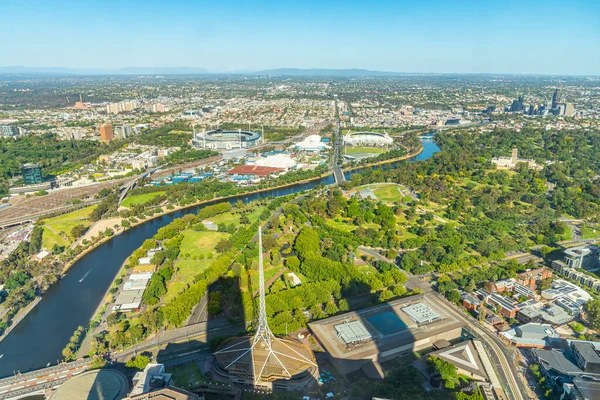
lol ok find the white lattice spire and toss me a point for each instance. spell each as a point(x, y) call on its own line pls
point(262, 331)
point(273, 351)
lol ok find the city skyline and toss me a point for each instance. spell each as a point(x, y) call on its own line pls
point(430, 37)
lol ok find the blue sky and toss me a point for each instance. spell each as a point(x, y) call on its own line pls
point(462, 36)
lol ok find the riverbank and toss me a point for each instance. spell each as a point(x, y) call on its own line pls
point(176, 208)
point(19, 317)
point(23, 313)
point(83, 285)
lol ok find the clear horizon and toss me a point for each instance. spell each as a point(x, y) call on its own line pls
point(429, 37)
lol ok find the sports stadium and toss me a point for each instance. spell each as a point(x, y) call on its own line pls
point(225, 140)
point(368, 139)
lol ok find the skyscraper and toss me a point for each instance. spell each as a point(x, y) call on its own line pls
point(106, 133)
point(556, 98)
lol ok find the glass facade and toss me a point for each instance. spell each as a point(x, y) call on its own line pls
point(32, 174)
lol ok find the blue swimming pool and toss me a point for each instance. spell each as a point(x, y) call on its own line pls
point(387, 322)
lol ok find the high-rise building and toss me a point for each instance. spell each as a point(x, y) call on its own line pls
point(123, 106)
point(123, 131)
point(158, 108)
point(556, 98)
point(106, 133)
point(518, 105)
point(569, 109)
point(32, 174)
point(11, 130)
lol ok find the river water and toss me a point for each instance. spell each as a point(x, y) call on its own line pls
point(44, 332)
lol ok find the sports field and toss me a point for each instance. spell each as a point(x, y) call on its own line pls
point(371, 150)
point(390, 193)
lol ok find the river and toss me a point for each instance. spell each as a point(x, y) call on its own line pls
point(40, 337)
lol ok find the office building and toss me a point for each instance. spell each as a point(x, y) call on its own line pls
point(11, 130)
point(518, 105)
point(123, 131)
point(584, 257)
point(106, 133)
point(586, 356)
point(32, 174)
point(556, 98)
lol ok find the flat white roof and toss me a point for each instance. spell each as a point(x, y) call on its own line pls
point(421, 313)
point(353, 331)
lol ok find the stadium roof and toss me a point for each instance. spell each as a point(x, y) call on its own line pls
point(421, 313)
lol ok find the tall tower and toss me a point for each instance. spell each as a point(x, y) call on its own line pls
point(556, 98)
point(262, 331)
point(264, 358)
point(515, 155)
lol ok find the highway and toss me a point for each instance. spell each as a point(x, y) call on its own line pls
point(31, 382)
point(198, 331)
point(338, 173)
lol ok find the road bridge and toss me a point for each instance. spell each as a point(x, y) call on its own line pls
point(338, 173)
point(38, 381)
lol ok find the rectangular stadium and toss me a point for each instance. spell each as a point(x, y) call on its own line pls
point(368, 337)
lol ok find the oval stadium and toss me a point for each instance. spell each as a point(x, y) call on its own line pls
point(368, 139)
point(225, 140)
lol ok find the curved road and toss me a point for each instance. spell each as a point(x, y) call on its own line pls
point(495, 347)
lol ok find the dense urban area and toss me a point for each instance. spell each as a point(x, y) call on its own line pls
point(287, 236)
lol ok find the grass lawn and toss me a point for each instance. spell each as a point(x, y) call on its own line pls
point(196, 243)
point(371, 150)
point(228, 218)
point(342, 225)
point(590, 232)
point(186, 376)
point(390, 193)
point(64, 223)
point(371, 225)
point(173, 290)
point(50, 238)
point(188, 269)
point(140, 198)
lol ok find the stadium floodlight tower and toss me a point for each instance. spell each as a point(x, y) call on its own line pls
point(264, 358)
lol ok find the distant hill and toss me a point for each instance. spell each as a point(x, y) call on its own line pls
point(326, 72)
point(41, 71)
point(19, 70)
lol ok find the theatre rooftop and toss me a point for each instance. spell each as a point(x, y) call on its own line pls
point(368, 337)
